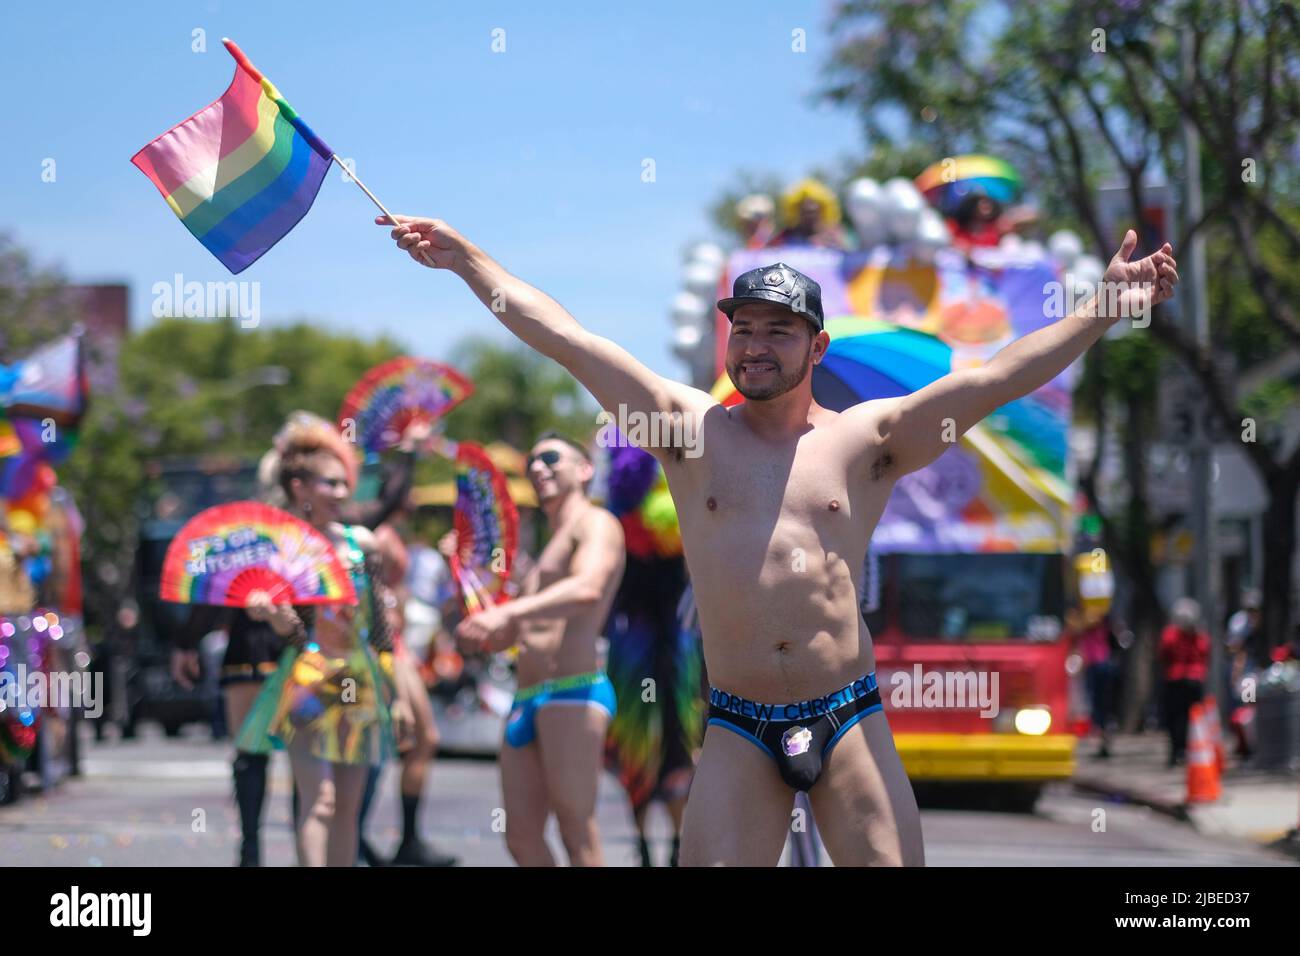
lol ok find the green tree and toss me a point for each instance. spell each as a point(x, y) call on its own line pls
point(34, 303)
point(518, 394)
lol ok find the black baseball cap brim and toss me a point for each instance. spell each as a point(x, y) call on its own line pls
point(728, 306)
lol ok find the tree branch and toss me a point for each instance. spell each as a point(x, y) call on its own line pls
point(1100, 117)
point(1201, 365)
point(1079, 190)
point(1263, 280)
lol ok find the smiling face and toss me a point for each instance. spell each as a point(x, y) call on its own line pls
point(771, 350)
point(556, 469)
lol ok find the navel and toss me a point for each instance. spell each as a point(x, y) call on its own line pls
point(711, 504)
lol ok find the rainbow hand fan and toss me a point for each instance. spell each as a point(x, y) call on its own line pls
point(487, 526)
point(391, 396)
point(225, 553)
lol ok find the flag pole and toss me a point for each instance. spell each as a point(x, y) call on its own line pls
point(351, 174)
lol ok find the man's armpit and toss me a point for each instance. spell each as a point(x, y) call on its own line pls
point(870, 425)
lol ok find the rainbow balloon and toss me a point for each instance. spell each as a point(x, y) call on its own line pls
point(391, 396)
point(225, 553)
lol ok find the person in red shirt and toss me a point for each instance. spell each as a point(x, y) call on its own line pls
point(1184, 661)
point(976, 222)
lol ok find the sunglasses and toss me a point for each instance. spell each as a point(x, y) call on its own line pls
point(550, 458)
point(331, 482)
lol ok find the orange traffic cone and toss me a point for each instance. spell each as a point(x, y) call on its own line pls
point(1202, 774)
point(1216, 731)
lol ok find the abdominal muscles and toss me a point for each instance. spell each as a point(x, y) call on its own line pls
point(793, 633)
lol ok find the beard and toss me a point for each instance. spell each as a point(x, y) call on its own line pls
point(776, 385)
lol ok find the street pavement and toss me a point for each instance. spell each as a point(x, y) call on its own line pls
point(1259, 806)
point(158, 801)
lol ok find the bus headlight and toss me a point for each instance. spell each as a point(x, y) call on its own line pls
point(1033, 721)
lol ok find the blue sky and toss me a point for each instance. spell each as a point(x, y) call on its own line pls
point(535, 153)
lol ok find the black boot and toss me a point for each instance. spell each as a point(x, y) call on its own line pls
point(414, 851)
point(677, 846)
point(418, 853)
point(644, 847)
point(250, 793)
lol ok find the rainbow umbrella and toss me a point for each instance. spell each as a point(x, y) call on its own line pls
point(949, 181)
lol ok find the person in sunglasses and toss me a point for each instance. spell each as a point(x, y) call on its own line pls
point(555, 734)
point(777, 503)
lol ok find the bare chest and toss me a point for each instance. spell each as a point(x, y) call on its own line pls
point(752, 503)
point(554, 561)
point(811, 481)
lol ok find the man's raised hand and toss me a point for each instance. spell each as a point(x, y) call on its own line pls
point(430, 242)
point(1143, 283)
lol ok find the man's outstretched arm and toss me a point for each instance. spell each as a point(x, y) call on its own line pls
point(609, 372)
point(915, 429)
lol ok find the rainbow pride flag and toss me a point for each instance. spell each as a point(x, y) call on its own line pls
point(241, 172)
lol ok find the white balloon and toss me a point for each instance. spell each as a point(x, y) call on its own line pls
point(701, 278)
point(1066, 247)
point(903, 209)
point(685, 340)
point(864, 201)
point(707, 252)
point(1084, 275)
point(898, 187)
point(864, 194)
point(689, 309)
point(932, 231)
point(1089, 269)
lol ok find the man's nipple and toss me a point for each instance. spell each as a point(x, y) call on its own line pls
point(711, 504)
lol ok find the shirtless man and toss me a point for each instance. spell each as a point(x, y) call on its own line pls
point(553, 754)
point(776, 509)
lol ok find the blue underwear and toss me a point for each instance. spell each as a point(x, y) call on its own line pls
point(585, 690)
point(799, 736)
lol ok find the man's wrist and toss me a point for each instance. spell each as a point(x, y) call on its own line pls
point(1092, 310)
point(469, 264)
point(515, 610)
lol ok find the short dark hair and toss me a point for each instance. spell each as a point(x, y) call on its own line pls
point(552, 435)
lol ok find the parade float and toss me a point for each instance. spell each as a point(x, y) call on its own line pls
point(44, 680)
